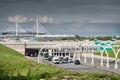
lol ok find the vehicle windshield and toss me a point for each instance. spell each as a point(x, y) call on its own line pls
point(56, 59)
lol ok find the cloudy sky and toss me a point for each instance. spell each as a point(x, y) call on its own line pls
point(89, 17)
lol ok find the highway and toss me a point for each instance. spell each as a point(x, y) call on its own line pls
point(72, 67)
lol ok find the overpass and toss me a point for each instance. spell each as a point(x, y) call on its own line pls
point(70, 49)
point(21, 46)
point(54, 48)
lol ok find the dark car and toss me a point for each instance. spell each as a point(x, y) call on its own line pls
point(49, 58)
point(77, 62)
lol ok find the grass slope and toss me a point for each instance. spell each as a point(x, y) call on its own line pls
point(14, 66)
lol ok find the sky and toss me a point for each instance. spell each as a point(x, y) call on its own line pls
point(82, 17)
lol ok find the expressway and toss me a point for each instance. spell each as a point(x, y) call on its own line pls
point(72, 67)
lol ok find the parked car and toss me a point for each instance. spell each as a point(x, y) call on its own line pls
point(70, 61)
point(50, 58)
point(56, 61)
point(77, 62)
point(64, 61)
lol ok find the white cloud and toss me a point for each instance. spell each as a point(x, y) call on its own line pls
point(45, 19)
point(19, 18)
point(42, 19)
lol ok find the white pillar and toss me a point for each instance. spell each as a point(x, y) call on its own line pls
point(116, 56)
point(50, 52)
point(107, 65)
point(74, 56)
point(101, 59)
point(85, 60)
point(116, 64)
point(92, 62)
point(85, 57)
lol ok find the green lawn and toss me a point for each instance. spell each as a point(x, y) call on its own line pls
point(14, 66)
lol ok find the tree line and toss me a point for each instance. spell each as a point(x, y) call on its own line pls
point(80, 38)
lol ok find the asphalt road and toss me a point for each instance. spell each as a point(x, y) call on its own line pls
point(79, 68)
point(97, 62)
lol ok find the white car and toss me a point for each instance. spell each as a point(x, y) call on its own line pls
point(70, 60)
point(56, 61)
